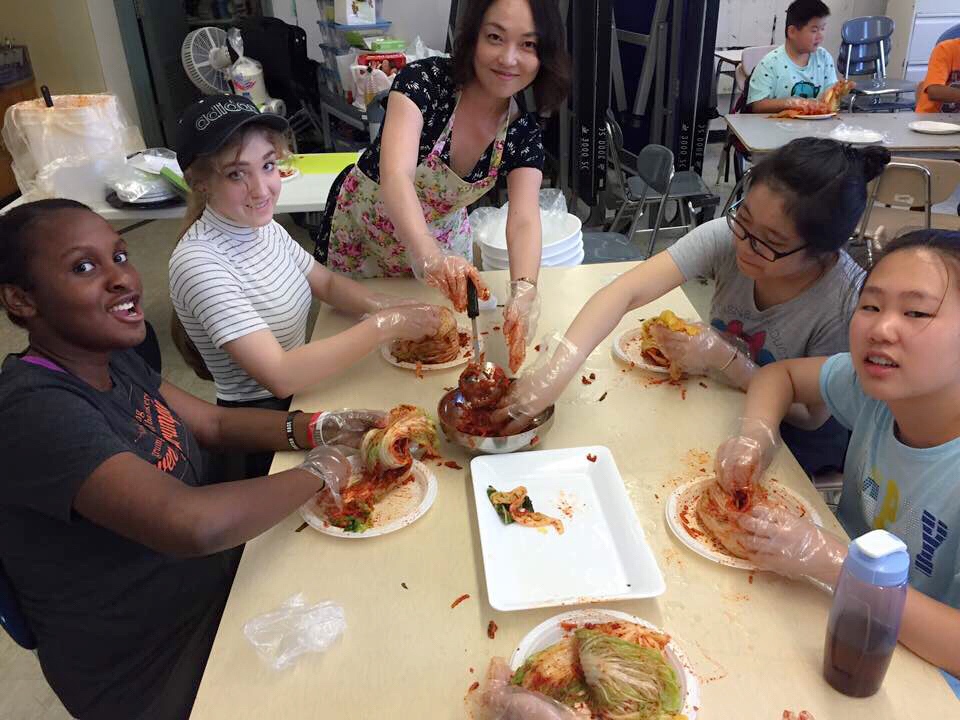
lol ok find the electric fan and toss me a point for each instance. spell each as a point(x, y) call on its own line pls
point(206, 60)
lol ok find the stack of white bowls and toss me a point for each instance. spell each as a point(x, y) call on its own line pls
point(562, 245)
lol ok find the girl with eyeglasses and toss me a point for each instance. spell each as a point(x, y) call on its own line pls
point(784, 287)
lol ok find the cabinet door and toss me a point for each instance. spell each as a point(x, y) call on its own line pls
point(11, 95)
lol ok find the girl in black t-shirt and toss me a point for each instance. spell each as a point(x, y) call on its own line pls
point(105, 500)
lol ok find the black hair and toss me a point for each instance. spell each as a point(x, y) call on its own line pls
point(552, 83)
point(945, 243)
point(824, 187)
point(800, 12)
point(16, 227)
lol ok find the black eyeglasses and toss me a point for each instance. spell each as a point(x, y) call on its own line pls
point(756, 244)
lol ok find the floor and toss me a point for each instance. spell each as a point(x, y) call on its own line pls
point(26, 695)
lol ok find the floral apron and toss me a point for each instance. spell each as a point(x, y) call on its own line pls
point(363, 243)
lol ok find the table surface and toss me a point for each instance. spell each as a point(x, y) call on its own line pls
point(755, 640)
point(304, 193)
point(729, 56)
point(760, 133)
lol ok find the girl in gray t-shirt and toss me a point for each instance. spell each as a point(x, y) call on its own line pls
point(785, 288)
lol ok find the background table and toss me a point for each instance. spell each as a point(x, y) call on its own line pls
point(760, 133)
point(756, 640)
point(304, 193)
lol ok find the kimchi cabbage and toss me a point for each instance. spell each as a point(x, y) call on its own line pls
point(612, 671)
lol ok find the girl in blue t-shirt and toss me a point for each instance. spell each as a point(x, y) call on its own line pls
point(898, 391)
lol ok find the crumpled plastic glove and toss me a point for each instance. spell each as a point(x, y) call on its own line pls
point(780, 542)
point(343, 427)
point(520, 320)
point(695, 354)
point(295, 628)
point(449, 273)
point(383, 301)
point(499, 700)
point(332, 467)
point(407, 322)
point(741, 460)
point(539, 387)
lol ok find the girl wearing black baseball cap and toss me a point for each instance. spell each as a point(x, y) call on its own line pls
point(452, 128)
point(242, 287)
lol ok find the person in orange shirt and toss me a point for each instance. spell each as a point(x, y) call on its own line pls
point(940, 89)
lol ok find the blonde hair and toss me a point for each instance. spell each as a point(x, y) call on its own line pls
point(205, 166)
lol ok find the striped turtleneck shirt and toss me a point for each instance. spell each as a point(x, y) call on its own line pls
point(227, 281)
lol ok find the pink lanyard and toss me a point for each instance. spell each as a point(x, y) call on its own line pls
point(42, 362)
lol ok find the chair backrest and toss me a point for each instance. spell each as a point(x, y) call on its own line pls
point(655, 167)
point(951, 34)
point(867, 30)
point(904, 182)
point(615, 148)
point(11, 617)
point(753, 55)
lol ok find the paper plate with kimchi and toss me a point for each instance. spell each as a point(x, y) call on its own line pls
point(464, 354)
point(401, 507)
point(678, 697)
point(626, 348)
point(684, 521)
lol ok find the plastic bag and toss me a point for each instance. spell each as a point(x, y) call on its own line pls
point(417, 50)
point(246, 74)
point(68, 150)
point(139, 180)
point(293, 629)
point(858, 135)
point(489, 225)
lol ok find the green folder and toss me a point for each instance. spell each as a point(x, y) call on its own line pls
point(323, 163)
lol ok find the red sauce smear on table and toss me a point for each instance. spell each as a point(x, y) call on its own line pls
point(491, 630)
point(459, 600)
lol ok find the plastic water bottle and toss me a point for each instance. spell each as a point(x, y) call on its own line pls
point(865, 617)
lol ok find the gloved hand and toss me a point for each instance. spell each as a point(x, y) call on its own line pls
point(799, 103)
point(695, 354)
point(499, 700)
point(343, 427)
point(520, 320)
point(540, 386)
point(407, 322)
point(331, 466)
point(741, 459)
point(382, 301)
point(449, 273)
point(780, 542)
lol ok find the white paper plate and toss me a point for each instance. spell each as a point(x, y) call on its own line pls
point(465, 356)
point(602, 554)
point(400, 508)
point(624, 353)
point(681, 514)
point(822, 116)
point(296, 174)
point(857, 136)
point(933, 127)
point(551, 631)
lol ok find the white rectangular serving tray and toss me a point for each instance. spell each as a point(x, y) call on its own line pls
point(602, 554)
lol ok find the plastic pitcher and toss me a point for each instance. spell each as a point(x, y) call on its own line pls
point(865, 617)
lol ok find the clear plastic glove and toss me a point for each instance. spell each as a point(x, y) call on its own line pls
point(407, 322)
point(742, 459)
point(695, 354)
point(332, 467)
point(376, 302)
point(520, 320)
point(780, 542)
point(343, 427)
point(539, 387)
point(293, 629)
point(449, 273)
point(499, 700)
point(799, 103)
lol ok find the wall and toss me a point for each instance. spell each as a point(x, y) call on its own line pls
point(426, 18)
point(113, 62)
point(59, 36)
point(751, 22)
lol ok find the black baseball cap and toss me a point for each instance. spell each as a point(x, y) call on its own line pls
point(207, 124)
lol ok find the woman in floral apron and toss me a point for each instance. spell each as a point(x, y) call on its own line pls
point(452, 128)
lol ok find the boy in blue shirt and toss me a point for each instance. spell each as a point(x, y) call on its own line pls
point(795, 74)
